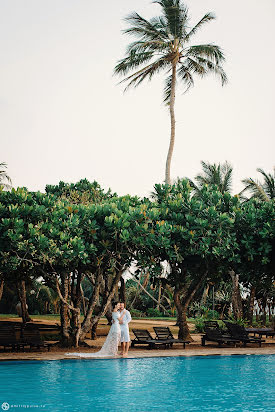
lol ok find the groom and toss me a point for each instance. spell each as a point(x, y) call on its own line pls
point(125, 335)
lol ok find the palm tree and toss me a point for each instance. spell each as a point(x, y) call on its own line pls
point(214, 174)
point(264, 191)
point(4, 176)
point(162, 44)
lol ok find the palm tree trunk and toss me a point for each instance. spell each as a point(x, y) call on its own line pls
point(173, 126)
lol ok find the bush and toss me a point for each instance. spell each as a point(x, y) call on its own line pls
point(241, 321)
point(154, 313)
point(137, 313)
point(211, 314)
point(199, 325)
point(208, 315)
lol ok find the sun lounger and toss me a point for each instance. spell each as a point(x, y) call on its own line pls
point(261, 332)
point(216, 335)
point(164, 333)
point(211, 324)
point(144, 337)
point(8, 338)
point(238, 332)
point(31, 337)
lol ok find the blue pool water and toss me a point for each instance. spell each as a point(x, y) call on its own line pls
point(218, 383)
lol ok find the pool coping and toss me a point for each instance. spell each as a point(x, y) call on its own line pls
point(142, 354)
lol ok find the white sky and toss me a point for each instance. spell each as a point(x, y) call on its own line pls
point(63, 116)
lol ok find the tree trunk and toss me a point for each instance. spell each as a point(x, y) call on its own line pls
point(147, 293)
point(236, 296)
point(83, 301)
point(89, 322)
point(108, 315)
point(173, 126)
point(145, 283)
point(122, 294)
point(159, 297)
point(182, 304)
point(64, 315)
point(269, 313)
point(76, 298)
point(264, 300)
point(93, 331)
point(251, 304)
point(21, 289)
point(107, 299)
point(1, 287)
point(184, 332)
point(205, 294)
point(86, 324)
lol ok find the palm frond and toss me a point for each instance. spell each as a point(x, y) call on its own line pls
point(186, 77)
point(255, 188)
point(206, 18)
point(141, 27)
point(210, 51)
point(146, 73)
point(216, 69)
point(176, 16)
point(208, 169)
point(4, 176)
point(196, 67)
point(216, 174)
point(147, 46)
point(132, 62)
point(202, 180)
point(226, 170)
point(269, 183)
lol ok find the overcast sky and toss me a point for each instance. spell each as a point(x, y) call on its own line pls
point(63, 115)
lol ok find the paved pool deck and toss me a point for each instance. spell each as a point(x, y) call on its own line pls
point(192, 350)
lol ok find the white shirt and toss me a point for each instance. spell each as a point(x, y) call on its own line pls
point(126, 318)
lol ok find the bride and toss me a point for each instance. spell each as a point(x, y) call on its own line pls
point(110, 346)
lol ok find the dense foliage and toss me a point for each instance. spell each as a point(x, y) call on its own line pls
point(81, 249)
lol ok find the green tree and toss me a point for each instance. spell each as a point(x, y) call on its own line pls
point(65, 243)
point(200, 242)
point(163, 44)
point(219, 176)
point(260, 190)
point(255, 231)
point(83, 192)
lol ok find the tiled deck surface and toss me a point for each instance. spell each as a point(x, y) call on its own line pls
point(194, 350)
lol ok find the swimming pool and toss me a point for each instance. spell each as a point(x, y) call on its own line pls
point(216, 383)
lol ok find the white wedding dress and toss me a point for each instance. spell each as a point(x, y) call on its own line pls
point(110, 346)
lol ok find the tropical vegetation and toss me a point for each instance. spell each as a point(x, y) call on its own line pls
point(78, 247)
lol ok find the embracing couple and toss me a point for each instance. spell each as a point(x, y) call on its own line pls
point(118, 334)
point(120, 320)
